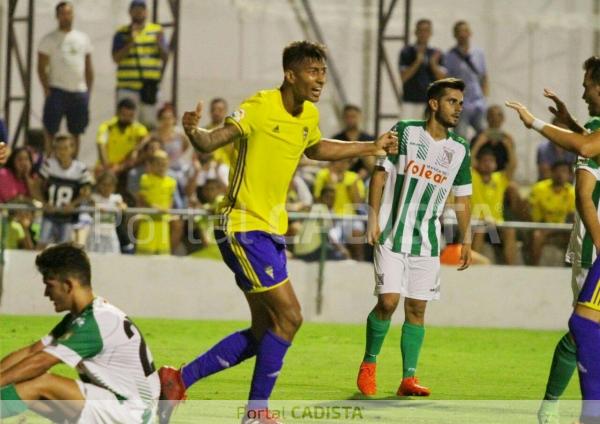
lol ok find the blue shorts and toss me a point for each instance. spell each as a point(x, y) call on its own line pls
point(256, 258)
point(73, 105)
point(590, 292)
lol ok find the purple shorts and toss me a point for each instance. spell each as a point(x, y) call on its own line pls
point(256, 258)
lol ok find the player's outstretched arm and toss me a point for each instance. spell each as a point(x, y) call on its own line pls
point(205, 141)
point(587, 145)
point(30, 367)
point(327, 149)
point(463, 216)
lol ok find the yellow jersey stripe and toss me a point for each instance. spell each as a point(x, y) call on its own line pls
point(595, 297)
point(241, 255)
point(264, 289)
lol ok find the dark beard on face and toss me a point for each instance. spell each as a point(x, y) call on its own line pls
point(122, 125)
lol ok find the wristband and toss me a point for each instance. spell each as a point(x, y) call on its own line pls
point(538, 125)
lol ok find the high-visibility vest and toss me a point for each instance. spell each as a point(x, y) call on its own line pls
point(144, 56)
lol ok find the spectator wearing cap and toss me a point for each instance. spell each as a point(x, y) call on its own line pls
point(66, 73)
point(139, 50)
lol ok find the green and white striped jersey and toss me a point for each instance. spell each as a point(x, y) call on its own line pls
point(581, 249)
point(419, 180)
point(108, 350)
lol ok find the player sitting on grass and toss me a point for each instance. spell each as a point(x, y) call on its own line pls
point(406, 197)
point(118, 383)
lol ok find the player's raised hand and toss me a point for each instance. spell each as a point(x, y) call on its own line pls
point(559, 110)
point(387, 144)
point(191, 119)
point(3, 153)
point(524, 114)
point(465, 257)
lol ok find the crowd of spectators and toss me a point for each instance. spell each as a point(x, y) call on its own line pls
point(145, 160)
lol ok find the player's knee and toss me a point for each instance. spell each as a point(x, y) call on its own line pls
point(295, 319)
point(387, 305)
point(415, 312)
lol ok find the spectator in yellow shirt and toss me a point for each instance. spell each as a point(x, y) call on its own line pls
point(156, 191)
point(551, 200)
point(349, 194)
point(118, 140)
point(490, 188)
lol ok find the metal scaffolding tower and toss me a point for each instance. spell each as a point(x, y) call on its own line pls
point(174, 7)
point(386, 10)
point(15, 97)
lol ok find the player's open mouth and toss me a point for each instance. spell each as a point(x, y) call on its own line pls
point(316, 91)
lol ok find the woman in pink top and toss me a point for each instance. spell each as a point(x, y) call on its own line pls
point(17, 178)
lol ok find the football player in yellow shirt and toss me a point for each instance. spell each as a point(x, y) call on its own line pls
point(270, 131)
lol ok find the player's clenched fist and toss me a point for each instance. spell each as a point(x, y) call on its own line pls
point(191, 120)
point(387, 143)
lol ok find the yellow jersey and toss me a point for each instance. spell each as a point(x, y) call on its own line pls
point(265, 158)
point(119, 143)
point(343, 204)
point(549, 205)
point(158, 191)
point(487, 200)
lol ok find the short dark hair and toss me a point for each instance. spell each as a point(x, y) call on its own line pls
point(12, 158)
point(437, 88)
point(60, 5)
point(65, 260)
point(457, 24)
point(62, 137)
point(218, 100)
point(423, 21)
point(486, 151)
point(350, 107)
point(126, 103)
point(592, 65)
point(298, 51)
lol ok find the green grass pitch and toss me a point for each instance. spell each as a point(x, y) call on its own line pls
point(458, 364)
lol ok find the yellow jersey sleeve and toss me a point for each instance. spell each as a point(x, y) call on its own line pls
point(249, 116)
point(140, 131)
point(102, 134)
point(314, 136)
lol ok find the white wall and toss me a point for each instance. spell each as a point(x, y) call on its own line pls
point(171, 287)
point(231, 48)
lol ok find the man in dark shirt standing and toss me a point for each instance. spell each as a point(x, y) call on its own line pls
point(352, 131)
point(420, 65)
